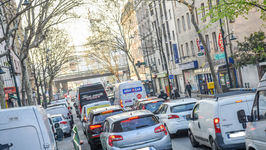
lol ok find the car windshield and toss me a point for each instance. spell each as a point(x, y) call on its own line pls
point(56, 119)
point(99, 118)
point(182, 108)
point(153, 106)
point(134, 124)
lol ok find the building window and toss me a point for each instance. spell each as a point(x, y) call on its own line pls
point(203, 11)
point(182, 50)
point(167, 50)
point(210, 6)
point(151, 9)
point(187, 49)
point(196, 14)
point(188, 21)
point(214, 39)
point(192, 48)
point(170, 16)
point(179, 26)
point(173, 33)
point(165, 11)
point(168, 31)
point(208, 42)
point(183, 23)
point(164, 33)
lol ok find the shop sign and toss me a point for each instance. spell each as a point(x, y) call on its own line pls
point(161, 75)
point(171, 76)
point(220, 42)
point(176, 53)
point(219, 56)
point(10, 90)
point(189, 65)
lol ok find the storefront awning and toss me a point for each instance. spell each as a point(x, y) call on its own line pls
point(206, 70)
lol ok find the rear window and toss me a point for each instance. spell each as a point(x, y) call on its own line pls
point(153, 106)
point(182, 108)
point(134, 123)
point(99, 118)
point(56, 119)
point(92, 96)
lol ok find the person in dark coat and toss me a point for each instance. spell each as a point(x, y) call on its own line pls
point(188, 89)
point(163, 95)
point(176, 93)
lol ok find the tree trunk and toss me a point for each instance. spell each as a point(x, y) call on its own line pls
point(27, 84)
point(2, 93)
point(50, 89)
point(134, 67)
point(209, 59)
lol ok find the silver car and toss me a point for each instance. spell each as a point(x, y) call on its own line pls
point(134, 130)
point(64, 123)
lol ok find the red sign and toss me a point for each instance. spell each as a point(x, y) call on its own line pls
point(139, 96)
point(220, 42)
point(10, 90)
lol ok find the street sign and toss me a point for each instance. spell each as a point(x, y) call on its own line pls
point(200, 46)
point(220, 42)
point(171, 76)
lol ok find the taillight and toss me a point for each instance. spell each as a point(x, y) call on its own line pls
point(121, 103)
point(216, 122)
point(85, 118)
point(161, 128)
point(63, 122)
point(80, 109)
point(173, 116)
point(92, 127)
point(113, 138)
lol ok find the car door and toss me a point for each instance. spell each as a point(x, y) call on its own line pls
point(257, 128)
point(195, 126)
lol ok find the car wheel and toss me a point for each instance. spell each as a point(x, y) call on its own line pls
point(213, 145)
point(193, 142)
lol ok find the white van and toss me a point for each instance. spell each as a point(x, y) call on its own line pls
point(26, 128)
point(126, 93)
point(215, 123)
point(256, 127)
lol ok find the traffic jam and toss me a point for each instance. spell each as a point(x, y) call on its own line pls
point(133, 121)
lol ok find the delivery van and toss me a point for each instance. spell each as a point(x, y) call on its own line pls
point(126, 93)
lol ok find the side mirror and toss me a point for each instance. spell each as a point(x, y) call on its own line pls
point(56, 125)
point(188, 117)
point(249, 118)
point(241, 115)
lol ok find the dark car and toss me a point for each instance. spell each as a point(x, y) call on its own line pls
point(151, 105)
point(95, 123)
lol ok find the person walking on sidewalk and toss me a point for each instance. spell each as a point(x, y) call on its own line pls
point(188, 89)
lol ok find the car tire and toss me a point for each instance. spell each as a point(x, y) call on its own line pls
point(213, 144)
point(193, 142)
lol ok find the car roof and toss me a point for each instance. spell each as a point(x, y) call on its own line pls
point(99, 110)
point(128, 114)
point(55, 107)
point(229, 99)
point(150, 101)
point(181, 101)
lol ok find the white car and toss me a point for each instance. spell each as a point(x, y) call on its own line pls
point(173, 114)
point(64, 123)
point(256, 127)
point(215, 122)
point(26, 128)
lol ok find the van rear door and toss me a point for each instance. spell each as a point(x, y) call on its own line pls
point(232, 130)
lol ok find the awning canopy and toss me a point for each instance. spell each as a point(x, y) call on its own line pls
point(207, 70)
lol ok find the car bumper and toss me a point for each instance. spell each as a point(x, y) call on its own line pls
point(66, 129)
point(220, 143)
point(174, 127)
point(163, 144)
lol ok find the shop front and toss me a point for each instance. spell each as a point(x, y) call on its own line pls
point(189, 75)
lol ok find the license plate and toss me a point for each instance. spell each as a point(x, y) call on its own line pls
point(145, 148)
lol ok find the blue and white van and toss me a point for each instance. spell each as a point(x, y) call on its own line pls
point(126, 93)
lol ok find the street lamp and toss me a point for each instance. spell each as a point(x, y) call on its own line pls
point(26, 3)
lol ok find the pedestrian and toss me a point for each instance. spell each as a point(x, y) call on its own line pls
point(163, 95)
point(176, 93)
point(188, 89)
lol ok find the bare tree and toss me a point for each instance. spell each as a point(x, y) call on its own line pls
point(49, 59)
point(108, 21)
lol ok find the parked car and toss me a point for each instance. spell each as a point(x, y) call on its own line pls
point(89, 107)
point(26, 128)
point(91, 93)
point(64, 123)
point(134, 130)
point(95, 123)
point(173, 114)
point(126, 93)
point(61, 110)
point(256, 127)
point(215, 123)
point(151, 105)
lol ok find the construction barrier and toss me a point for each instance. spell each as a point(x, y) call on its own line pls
point(76, 139)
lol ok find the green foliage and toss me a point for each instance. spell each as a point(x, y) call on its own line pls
point(234, 8)
point(252, 50)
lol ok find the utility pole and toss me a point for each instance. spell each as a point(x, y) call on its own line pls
point(225, 52)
